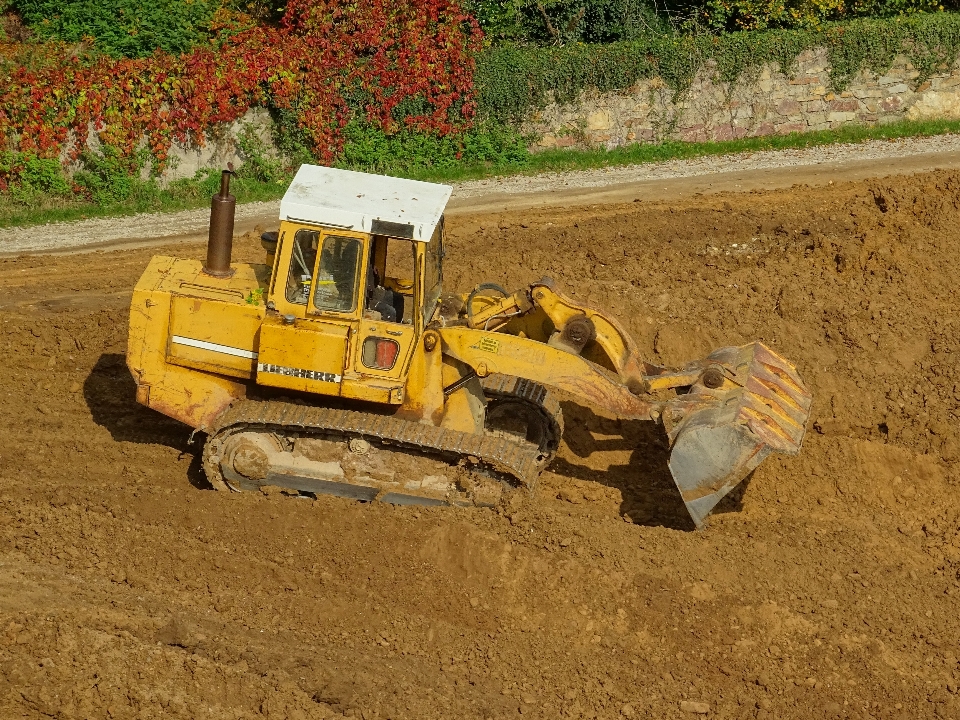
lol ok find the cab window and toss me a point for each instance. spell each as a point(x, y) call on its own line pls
point(327, 264)
point(303, 258)
point(390, 284)
point(338, 274)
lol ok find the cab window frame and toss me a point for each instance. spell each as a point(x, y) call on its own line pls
point(287, 260)
point(297, 262)
point(432, 253)
point(359, 287)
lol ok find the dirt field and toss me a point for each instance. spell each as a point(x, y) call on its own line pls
point(827, 588)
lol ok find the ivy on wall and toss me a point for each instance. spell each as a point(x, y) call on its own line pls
point(512, 81)
point(391, 64)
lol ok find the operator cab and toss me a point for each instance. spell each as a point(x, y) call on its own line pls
point(356, 278)
point(330, 272)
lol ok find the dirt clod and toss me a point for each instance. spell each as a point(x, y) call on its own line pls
point(178, 633)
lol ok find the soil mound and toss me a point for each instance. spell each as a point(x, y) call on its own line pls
point(826, 587)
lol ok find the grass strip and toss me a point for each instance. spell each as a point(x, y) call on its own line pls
point(639, 154)
point(186, 195)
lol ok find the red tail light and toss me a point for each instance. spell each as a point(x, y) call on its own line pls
point(379, 353)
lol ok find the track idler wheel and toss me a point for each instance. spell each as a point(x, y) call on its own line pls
point(244, 457)
point(211, 464)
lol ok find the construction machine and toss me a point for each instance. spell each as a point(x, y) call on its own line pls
point(340, 366)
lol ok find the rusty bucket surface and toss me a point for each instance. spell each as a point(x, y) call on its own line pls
point(762, 407)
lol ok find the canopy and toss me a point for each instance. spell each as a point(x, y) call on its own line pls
point(363, 202)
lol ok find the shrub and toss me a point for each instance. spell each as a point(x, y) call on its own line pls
point(29, 177)
point(561, 22)
point(107, 178)
point(589, 21)
point(392, 64)
point(122, 28)
point(557, 22)
point(731, 15)
point(260, 161)
point(369, 149)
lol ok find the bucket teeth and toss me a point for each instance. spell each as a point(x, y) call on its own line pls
point(776, 404)
point(773, 402)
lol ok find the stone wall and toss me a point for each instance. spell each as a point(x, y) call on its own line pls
point(220, 147)
point(767, 104)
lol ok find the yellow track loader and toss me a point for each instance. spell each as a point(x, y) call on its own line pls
point(339, 366)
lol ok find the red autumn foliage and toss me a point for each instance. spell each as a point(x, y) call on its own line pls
point(328, 61)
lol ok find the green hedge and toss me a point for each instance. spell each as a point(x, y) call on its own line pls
point(121, 28)
point(512, 81)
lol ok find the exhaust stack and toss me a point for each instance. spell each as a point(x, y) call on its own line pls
point(220, 243)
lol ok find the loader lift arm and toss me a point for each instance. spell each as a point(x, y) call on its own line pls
point(732, 409)
point(577, 327)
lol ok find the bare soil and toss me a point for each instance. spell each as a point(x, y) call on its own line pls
point(827, 587)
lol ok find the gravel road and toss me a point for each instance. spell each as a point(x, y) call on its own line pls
point(738, 162)
point(740, 171)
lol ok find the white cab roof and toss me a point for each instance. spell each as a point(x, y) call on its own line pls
point(366, 203)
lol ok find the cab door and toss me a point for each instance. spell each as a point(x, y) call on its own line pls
point(389, 327)
point(317, 294)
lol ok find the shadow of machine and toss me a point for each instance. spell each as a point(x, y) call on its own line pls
point(649, 494)
point(110, 393)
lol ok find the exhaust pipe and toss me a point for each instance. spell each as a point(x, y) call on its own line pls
point(220, 243)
